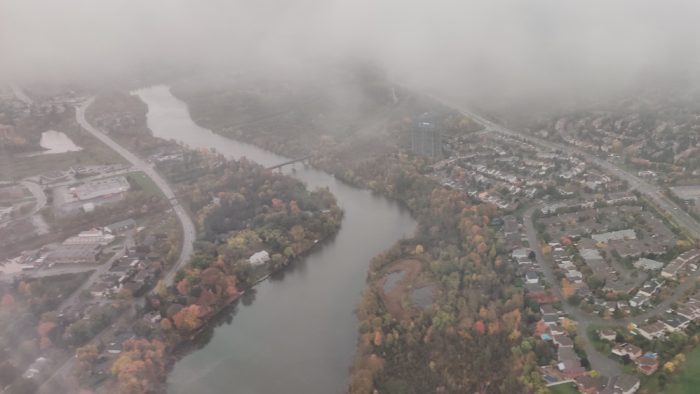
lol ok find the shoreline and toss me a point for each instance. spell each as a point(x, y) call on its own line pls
point(182, 349)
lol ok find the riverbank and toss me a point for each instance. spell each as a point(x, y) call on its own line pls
point(253, 212)
point(227, 310)
point(303, 325)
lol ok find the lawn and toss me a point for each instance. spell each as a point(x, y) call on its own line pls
point(688, 380)
point(564, 388)
point(140, 181)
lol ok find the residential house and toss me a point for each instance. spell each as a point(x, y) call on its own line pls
point(674, 267)
point(520, 253)
point(626, 384)
point(574, 275)
point(627, 349)
point(650, 287)
point(648, 264)
point(607, 334)
point(639, 300)
point(548, 310)
point(550, 320)
point(532, 277)
point(588, 384)
point(615, 236)
point(652, 331)
point(675, 323)
point(648, 363)
point(569, 363)
point(563, 341)
point(690, 311)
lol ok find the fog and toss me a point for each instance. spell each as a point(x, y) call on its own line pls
point(490, 50)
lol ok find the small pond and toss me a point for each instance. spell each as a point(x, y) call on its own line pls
point(392, 280)
point(422, 297)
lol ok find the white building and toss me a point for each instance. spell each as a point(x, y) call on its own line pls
point(259, 258)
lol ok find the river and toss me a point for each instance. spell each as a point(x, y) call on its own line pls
point(299, 333)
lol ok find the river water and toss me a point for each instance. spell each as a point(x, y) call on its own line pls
point(299, 333)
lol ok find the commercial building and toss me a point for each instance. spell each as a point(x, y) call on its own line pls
point(426, 140)
point(100, 188)
point(75, 254)
point(90, 237)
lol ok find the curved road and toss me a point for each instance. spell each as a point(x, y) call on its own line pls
point(188, 229)
point(599, 361)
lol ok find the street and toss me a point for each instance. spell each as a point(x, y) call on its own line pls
point(188, 229)
point(62, 372)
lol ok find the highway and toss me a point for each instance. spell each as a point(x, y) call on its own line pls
point(676, 214)
point(188, 229)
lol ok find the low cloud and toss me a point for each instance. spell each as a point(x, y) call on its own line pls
point(496, 50)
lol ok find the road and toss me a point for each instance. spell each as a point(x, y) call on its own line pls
point(39, 197)
point(188, 229)
point(677, 215)
point(599, 361)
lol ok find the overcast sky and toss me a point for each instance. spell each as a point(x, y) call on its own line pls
point(513, 49)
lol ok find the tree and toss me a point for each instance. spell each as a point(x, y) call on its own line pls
point(188, 318)
point(669, 367)
point(567, 289)
point(8, 302)
point(419, 249)
point(86, 357)
point(140, 367)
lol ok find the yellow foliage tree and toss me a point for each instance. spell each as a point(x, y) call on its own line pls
point(546, 249)
point(419, 249)
point(569, 325)
point(669, 367)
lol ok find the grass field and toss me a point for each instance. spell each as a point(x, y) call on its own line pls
point(688, 380)
point(140, 181)
point(565, 388)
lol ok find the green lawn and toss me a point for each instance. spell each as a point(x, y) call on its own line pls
point(564, 388)
point(688, 380)
point(139, 180)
